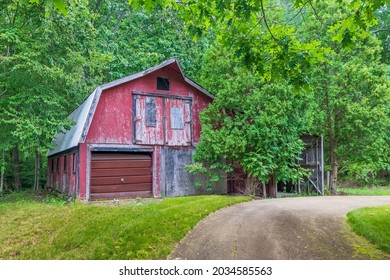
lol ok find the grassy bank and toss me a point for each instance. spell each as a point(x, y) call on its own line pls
point(365, 191)
point(373, 223)
point(142, 229)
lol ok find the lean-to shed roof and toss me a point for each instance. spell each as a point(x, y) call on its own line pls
point(83, 115)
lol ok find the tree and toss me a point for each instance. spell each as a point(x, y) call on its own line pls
point(138, 40)
point(352, 93)
point(201, 15)
point(349, 84)
point(43, 69)
point(382, 31)
point(251, 125)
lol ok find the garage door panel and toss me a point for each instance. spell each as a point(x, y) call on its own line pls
point(118, 156)
point(120, 188)
point(121, 164)
point(100, 181)
point(98, 173)
point(114, 195)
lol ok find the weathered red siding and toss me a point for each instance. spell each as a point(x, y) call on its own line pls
point(178, 136)
point(113, 121)
point(146, 134)
point(84, 155)
point(113, 118)
point(62, 175)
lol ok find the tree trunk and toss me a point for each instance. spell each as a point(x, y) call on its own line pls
point(251, 185)
point(37, 170)
point(332, 146)
point(16, 168)
point(334, 175)
point(275, 185)
point(333, 161)
point(264, 190)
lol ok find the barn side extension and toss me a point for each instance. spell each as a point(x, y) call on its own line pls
point(311, 159)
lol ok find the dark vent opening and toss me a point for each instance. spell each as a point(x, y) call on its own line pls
point(162, 83)
point(65, 169)
point(74, 162)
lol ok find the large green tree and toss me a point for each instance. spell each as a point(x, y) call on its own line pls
point(347, 92)
point(234, 16)
point(253, 125)
point(43, 64)
point(352, 92)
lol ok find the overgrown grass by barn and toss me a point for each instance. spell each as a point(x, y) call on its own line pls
point(373, 223)
point(49, 228)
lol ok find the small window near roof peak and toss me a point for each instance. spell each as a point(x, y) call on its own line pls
point(150, 110)
point(162, 83)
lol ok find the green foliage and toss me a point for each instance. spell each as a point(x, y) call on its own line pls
point(261, 59)
point(382, 31)
point(362, 116)
point(47, 65)
point(56, 52)
point(53, 5)
point(33, 230)
point(347, 92)
point(359, 16)
point(236, 22)
point(372, 223)
point(251, 124)
point(207, 177)
point(138, 40)
point(353, 100)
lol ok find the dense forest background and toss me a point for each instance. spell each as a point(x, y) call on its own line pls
point(279, 70)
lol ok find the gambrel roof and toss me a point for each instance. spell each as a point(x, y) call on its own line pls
point(83, 115)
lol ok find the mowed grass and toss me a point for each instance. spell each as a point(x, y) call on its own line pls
point(373, 223)
point(139, 230)
point(365, 191)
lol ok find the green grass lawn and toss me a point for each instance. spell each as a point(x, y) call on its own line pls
point(373, 223)
point(143, 229)
point(365, 191)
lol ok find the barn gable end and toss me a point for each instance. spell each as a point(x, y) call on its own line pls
point(126, 132)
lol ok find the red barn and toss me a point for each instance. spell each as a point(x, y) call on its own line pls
point(132, 138)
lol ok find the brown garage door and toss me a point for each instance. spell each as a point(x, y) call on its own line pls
point(119, 175)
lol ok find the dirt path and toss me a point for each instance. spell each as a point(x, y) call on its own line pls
point(288, 228)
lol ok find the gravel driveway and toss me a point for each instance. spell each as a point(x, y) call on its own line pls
point(286, 228)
